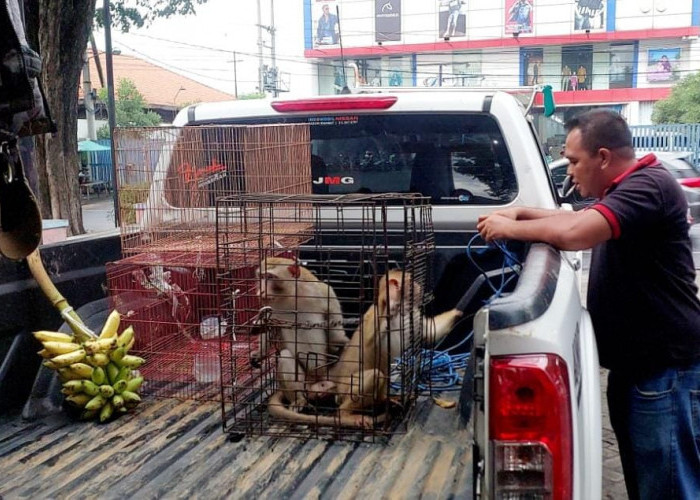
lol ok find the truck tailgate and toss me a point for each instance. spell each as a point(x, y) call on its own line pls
point(174, 449)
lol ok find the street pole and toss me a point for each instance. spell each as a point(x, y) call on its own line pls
point(235, 76)
point(275, 92)
point(260, 52)
point(89, 101)
point(111, 107)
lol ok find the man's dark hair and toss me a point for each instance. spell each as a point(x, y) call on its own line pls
point(603, 128)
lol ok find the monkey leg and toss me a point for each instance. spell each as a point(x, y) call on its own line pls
point(291, 379)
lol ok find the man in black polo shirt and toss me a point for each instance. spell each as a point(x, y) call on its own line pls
point(642, 298)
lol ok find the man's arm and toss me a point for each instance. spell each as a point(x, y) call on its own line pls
point(565, 231)
point(527, 213)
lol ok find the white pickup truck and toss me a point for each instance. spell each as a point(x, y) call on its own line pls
point(528, 423)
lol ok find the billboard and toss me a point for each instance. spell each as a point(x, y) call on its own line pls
point(589, 15)
point(452, 21)
point(519, 16)
point(326, 30)
point(387, 20)
point(663, 65)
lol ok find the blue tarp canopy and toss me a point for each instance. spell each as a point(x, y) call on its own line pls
point(88, 146)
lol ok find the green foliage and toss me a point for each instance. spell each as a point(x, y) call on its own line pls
point(139, 13)
point(130, 108)
point(252, 95)
point(128, 197)
point(683, 105)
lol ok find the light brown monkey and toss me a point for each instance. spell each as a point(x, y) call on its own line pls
point(358, 379)
point(306, 315)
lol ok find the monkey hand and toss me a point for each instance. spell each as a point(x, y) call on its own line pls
point(255, 358)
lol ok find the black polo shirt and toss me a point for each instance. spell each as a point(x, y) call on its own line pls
point(642, 295)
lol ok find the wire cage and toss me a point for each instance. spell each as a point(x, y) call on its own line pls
point(169, 178)
point(334, 353)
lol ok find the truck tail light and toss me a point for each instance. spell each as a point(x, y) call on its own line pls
point(530, 427)
point(342, 103)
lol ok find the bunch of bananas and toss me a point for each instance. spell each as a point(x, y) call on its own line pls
point(99, 376)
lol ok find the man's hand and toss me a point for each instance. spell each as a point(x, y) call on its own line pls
point(495, 226)
point(509, 213)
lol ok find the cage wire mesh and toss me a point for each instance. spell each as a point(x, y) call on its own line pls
point(169, 179)
point(299, 273)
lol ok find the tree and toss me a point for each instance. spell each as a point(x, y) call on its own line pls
point(683, 105)
point(60, 31)
point(130, 107)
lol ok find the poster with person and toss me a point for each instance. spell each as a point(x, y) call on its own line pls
point(325, 28)
point(589, 15)
point(452, 18)
point(518, 16)
point(621, 64)
point(663, 65)
point(532, 64)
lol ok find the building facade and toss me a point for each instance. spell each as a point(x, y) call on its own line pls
point(620, 54)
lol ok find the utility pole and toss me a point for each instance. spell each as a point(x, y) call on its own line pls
point(111, 107)
point(235, 76)
point(272, 30)
point(89, 100)
point(261, 69)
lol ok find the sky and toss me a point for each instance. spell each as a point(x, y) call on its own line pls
point(202, 46)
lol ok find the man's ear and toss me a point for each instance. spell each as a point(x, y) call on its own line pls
point(606, 156)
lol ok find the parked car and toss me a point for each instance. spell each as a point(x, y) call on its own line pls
point(681, 167)
point(678, 163)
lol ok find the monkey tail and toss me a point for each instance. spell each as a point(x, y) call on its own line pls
point(277, 409)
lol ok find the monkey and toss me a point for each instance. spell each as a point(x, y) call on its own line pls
point(358, 379)
point(306, 314)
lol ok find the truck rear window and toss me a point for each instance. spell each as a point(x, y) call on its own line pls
point(453, 158)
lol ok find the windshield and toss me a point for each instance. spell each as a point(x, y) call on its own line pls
point(454, 159)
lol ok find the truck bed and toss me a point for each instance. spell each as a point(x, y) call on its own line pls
point(174, 449)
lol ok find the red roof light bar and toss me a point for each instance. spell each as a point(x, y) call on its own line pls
point(342, 103)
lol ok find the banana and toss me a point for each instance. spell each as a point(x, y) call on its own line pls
point(100, 345)
point(117, 402)
point(73, 386)
point(88, 414)
point(120, 386)
point(45, 354)
point(48, 336)
point(99, 376)
point(50, 364)
point(131, 398)
point(68, 358)
point(123, 374)
point(60, 347)
point(96, 403)
point(107, 391)
point(131, 361)
point(100, 359)
point(67, 374)
point(126, 337)
point(90, 388)
point(106, 412)
point(82, 370)
point(134, 384)
point(117, 354)
point(112, 372)
point(130, 344)
point(111, 325)
point(79, 400)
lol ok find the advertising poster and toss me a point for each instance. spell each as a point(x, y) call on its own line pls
point(576, 67)
point(387, 20)
point(519, 16)
point(323, 12)
point(532, 63)
point(663, 65)
point(452, 19)
point(621, 66)
point(589, 15)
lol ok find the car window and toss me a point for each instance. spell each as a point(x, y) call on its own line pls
point(454, 159)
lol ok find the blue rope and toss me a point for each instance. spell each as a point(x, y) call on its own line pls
point(440, 367)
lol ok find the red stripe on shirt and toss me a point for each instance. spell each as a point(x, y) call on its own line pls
point(610, 217)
